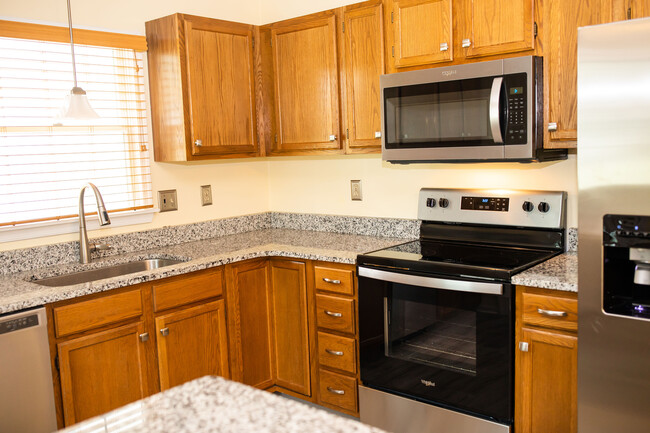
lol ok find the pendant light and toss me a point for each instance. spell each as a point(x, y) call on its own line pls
point(76, 106)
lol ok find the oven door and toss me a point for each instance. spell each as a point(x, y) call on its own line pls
point(441, 341)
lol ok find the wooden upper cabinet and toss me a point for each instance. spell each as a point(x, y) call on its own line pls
point(103, 371)
point(202, 81)
point(637, 9)
point(363, 37)
point(560, 41)
point(422, 32)
point(192, 343)
point(306, 84)
point(497, 27)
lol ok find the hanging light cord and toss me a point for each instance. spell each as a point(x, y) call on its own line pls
point(74, 67)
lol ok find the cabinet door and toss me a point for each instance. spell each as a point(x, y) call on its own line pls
point(306, 85)
point(497, 27)
point(560, 35)
point(546, 383)
point(422, 32)
point(220, 81)
point(249, 323)
point(102, 371)
point(638, 9)
point(364, 63)
point(192, 343)
point(291, 329)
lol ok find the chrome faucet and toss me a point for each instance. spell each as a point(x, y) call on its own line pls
point(84, 247)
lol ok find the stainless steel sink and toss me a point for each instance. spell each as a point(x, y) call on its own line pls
point(107, 272)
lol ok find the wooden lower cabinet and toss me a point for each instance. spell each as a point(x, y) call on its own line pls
point(248, 298)
point(102, 371)
point(546, 362)
point(192, 342)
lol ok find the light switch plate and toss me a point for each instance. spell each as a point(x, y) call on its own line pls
point(167, 200)
point(355, 190)
point(206, 195)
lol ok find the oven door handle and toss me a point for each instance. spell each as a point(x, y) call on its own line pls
point(433, 283)
point(495, 103)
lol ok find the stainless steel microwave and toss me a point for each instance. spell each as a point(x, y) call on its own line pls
point(478, 112)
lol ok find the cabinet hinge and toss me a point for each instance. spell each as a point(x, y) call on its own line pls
point(271, 42)
point(276, 138)
point(391, 17)
point(347, 134)
point(535, 28)
point(56, 363)
point(253, 40)
point(629, 13)
point(393, 49)
point(343, 26)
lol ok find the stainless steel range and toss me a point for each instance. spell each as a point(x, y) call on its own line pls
point(436, 315)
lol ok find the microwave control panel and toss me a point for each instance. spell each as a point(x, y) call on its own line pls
point(517, 109)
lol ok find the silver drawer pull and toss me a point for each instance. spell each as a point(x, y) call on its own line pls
point(164, 332)
point(552, 127)
point(466, 43)
point(523, 347)
point(377, 134)
point(335, 391)
point(444, 46)
point(333, 314)
point(327, 280)
point(198, 143)
point(334, 352)
point(144, 337)
point(332, 137)
point(552, 313)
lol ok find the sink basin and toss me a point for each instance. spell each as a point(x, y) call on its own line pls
point(108, 272)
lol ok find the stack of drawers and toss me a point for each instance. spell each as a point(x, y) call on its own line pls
point(337, 336)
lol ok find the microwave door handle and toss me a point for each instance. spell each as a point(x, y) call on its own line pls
point(495, 102)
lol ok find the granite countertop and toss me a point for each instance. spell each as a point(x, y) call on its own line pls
point(17, 291)
point(558, 273)
point(214, 404)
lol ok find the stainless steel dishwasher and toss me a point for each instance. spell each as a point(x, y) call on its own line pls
point(26, 391)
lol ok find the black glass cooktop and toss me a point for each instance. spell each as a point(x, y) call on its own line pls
point(457, 259)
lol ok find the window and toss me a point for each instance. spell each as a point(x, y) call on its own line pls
point(42, 166)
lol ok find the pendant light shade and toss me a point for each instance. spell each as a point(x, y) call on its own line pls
point(76, 106)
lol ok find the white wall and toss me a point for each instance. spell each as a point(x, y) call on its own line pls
point(296, 184)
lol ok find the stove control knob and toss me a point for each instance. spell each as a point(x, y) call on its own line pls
point(528, 206)
point(543, 207)
point(443, 202)
point(431, 202)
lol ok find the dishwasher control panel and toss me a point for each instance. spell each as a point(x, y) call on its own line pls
point(12, 325)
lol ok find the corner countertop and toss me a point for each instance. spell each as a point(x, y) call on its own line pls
point(18, 291)
point(214, 404)
point(557, 273)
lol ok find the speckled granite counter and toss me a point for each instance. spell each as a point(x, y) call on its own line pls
point(213, 404)
point(558, 273)
point(18, 292)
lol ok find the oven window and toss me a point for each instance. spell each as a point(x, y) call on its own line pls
point(450, 113)
point(433, 335)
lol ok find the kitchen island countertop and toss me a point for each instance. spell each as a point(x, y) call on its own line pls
point(214, 404)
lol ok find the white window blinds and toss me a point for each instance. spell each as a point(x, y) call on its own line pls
point(43, 167)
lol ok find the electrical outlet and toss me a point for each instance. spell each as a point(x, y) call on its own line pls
point(206, 195)
point(355, 190)
point(167, 200)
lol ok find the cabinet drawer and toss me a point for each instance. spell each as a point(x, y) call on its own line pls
point(187, 289)
point(550, 311)
point(337, 352)
point(334, 280)
point(338, 390)
point(335, 313)
point(81, 316)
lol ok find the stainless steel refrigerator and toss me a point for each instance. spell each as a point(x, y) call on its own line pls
point(614, 227)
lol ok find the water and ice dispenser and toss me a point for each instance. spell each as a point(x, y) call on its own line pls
point(626, 267)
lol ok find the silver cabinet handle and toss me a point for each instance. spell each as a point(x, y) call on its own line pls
point(377, 134)
point(332, 137)
point(335, 391)
point(164, 332)
point(144, 337)
point(334, 352)
point(552, 313)
point(466, 43)
point(552, 127)
point(444, 46)
point(333, 314)
point(327, 280)
point(523, 347)
point(198, 143)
